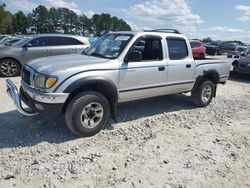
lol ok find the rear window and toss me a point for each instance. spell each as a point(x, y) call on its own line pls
point(177, 48)
point(195, 44)
point(64, 41)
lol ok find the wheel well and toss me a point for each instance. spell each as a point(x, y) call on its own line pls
point(236, 62)
point(104, 89)
point(213, 76)
point(12, 59)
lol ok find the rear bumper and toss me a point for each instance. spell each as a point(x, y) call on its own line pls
point(38, 102)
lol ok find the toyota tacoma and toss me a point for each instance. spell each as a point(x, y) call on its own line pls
point(118, 67)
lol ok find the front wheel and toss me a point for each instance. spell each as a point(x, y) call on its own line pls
point(9, 68)
point(87, 113)
point(204, 94)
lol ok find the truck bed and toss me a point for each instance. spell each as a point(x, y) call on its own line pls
point(221, 66)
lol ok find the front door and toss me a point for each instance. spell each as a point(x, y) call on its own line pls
point(38, 47)
point(146, 76)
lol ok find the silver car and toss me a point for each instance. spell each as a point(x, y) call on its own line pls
point(13, 57)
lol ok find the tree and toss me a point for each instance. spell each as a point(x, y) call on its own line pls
point(58, 20)
point(207, 40)
point(41, 19)
point(20, 22)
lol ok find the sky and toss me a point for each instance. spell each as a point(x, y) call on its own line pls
point(218, 19)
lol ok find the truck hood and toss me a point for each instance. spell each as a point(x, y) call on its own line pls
point(70, 63)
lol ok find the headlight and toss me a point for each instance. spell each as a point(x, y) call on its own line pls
point(44, 82)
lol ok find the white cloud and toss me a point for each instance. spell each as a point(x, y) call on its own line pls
point(246, 12)
point(23, 5)
point(225, 29)
point(160, 12)
point(89, 13)
point(62, 4)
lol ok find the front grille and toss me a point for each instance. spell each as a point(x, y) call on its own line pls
point(245, 66)
point(26, 76)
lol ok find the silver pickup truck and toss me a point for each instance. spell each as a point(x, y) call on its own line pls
point(118, 67)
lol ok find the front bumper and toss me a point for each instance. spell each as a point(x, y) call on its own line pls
point(38, 102)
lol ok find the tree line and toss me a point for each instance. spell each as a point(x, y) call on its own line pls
point(58, 20)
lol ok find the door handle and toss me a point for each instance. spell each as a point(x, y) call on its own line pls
point(46, 50)
point(161, 68)
point(188, 65)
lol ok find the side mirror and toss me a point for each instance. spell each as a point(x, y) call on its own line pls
point(243, 54)
point(27, 45)
point(135, 55)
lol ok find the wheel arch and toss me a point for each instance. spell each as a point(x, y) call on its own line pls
point(98, 84)
point(15, 59)
point(212, 75)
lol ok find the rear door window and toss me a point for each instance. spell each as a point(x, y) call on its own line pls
point(65, 41)
point(177, 48)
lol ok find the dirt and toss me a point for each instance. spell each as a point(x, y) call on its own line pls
point(159, 142)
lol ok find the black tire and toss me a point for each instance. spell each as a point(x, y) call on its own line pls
point(198, 95)
point(77, 110)
point(9, 68)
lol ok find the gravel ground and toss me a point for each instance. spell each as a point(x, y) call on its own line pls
point(160, 142)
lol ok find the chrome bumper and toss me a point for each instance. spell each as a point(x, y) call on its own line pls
point(13, 93)
point(47, 98)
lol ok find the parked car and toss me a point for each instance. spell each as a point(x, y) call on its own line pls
point(3, 37)
point(198, 49)
point(226, 47)
point(118, 67)
point(242, 65)
point(13, 57)
point(237, 52)
point(212, 48)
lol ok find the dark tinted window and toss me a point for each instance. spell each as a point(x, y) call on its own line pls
point(150, 48)
point(41, 41)
point(177, 48)
point(195, 44)
point(63, 41)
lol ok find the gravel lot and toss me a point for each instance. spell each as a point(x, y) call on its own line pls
point(160, 142)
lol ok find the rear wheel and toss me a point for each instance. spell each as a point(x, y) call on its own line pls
point(9, 68)
point(204, 94)
point(87, 113)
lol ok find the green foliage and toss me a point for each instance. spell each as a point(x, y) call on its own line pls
point(58, 20)
point(207, 40)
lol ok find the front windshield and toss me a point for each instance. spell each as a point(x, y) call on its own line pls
point(109, 46)
point(11, 42)
point(22, 41)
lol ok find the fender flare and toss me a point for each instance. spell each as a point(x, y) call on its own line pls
point(110, 90)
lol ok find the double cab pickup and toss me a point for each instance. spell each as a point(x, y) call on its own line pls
point(118, 67)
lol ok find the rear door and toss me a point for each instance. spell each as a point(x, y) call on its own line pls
point(181, 65)
point(146, 77)
point(63, 45)
point(40, 47)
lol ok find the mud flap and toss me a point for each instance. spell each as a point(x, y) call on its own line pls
point(113, 112)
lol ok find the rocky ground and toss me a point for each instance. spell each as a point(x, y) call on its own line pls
point(160, 142)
